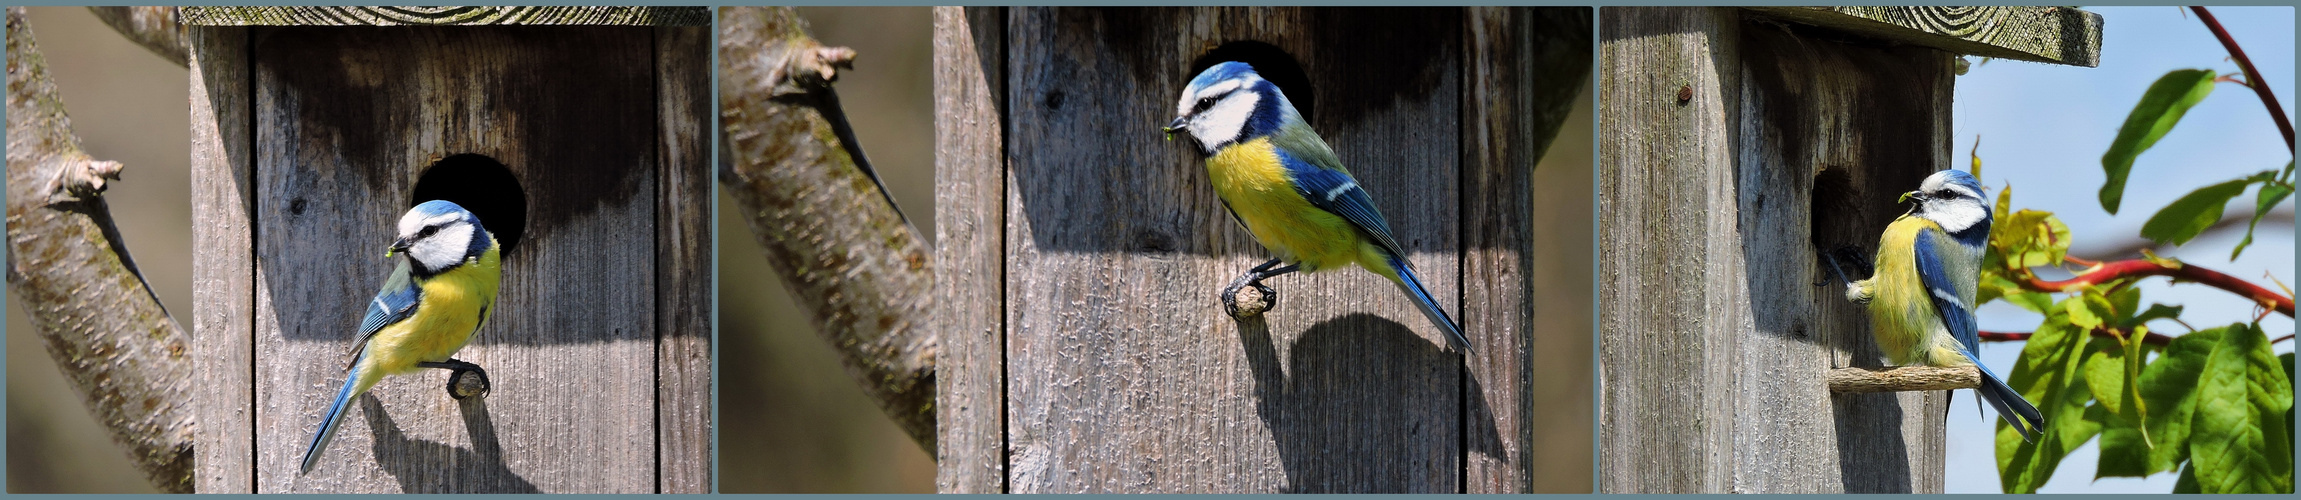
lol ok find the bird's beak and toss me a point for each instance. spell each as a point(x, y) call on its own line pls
point(1909, 195)
point(1173, 126)
point(397, 247)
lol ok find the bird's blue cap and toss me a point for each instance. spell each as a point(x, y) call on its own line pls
point(1959, 177)
point(436, 207)
point(1221, 71)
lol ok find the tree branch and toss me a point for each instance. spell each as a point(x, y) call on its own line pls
point(158, 29)
point(1901, 379)
point(2155, 339)
point(124, 355)
point(2252, 77)
point(829, 230)
point(2109, 271)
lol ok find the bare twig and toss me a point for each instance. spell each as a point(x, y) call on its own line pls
point(841, 247)
point(158, 29)
point(124, 355)
point(2253, 77)
point(1902, 379)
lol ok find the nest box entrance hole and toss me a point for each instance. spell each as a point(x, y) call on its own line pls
point(1273, 63)
point(483, 186)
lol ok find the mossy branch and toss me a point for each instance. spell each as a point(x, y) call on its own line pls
point(829, 228)
point(99, 320)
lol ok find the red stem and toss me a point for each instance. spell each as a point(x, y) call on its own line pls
point(2282, 339)
point(2259, 87)
point(2156, 339)
point(2108, 271)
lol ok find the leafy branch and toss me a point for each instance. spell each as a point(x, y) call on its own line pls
point(2215, 404)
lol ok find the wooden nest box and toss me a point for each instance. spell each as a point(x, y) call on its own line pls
point(576, 134)
point(1081, 254)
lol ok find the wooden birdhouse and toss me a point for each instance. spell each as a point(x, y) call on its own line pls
point(1735, 145)
point(576, 134)
point(1081, 254)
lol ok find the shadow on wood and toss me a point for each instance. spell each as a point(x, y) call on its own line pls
point(1350, 377)
point(439, 467)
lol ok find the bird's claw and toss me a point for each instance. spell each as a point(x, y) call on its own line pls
point(460, 386)
point(1266, 300)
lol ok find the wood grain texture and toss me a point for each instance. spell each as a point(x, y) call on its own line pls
point(1906, 378)
point(683, 261)
point(1124, 373)
point(2058, 35)
point(223, 315)
point(125, 357)
point(344, 122)
point(970, 225)
point(443, 16)
point(1525, 69)
point(1713, 332)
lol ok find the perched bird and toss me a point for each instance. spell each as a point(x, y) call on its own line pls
point(440, 295)
point(1921, 298)
point(1281, 181)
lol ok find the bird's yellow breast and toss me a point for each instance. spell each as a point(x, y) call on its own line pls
point(1902, 314)
point(1249, 177)
point(454, 305)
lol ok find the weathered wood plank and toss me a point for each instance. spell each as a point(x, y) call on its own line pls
point(1525, 66)
point(970, 173)
point(444, 16)
point(1661, 166)
point(2059, 35)
point(345, 120)
point(1125, 375)
point(683, 261)
point(1732, 153)
point(223, 271)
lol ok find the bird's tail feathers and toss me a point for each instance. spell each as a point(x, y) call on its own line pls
point(2011, 407)
point(1412, 285)
point(355, 383)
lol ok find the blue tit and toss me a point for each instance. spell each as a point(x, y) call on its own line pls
point(438, 296)
point(1281, 181)
point(1921, 299)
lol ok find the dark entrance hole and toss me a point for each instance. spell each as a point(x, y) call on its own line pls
point(483, 186)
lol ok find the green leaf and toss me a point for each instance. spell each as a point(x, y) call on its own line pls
point(2156, 311)
point(2189, 216)
point(2124, 443)
point(2187, 483)
point(2048, 374)
point(2087, 310)
point(2030, 238)
point(2271, 194)
point(2160, 107)
point(2167, 387)
point(2239, 444)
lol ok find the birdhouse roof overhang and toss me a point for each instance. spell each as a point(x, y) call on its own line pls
point(2053, 35)
point(447, 16)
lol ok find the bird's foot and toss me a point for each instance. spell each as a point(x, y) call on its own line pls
point(1264, 299)
point(460, 386)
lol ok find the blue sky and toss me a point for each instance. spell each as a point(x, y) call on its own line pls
point(2043, 129)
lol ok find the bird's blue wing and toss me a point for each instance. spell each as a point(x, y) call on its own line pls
point(1336, 192)
point(1936, 272)
point(394, 303)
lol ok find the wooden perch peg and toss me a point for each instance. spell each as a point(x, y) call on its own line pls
point(81, 178)
point(1902, 379)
